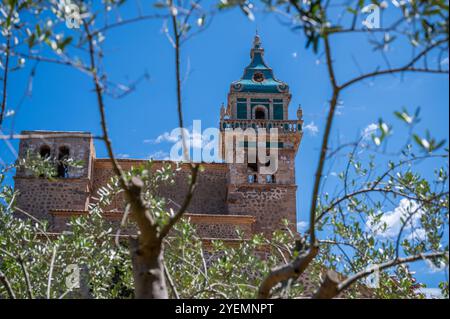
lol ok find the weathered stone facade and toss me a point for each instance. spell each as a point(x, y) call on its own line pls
point(229, 195)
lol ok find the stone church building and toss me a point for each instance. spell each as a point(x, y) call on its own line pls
point(228, 195)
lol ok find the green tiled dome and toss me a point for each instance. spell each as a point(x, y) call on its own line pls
point(258, 77)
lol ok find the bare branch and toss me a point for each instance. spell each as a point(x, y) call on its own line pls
point(324, 147)
point(329, 287)
point(101, 105)
point(194, 168)
point(64, 62)
point(128, 21)
point(5, 74)
point(398, 261)
point(4, 280)
point(164, 231)
point(374, 188)
point(171, 283)
point(285, 272)
point(50, 273)
point(409, 67)
point(26, 276)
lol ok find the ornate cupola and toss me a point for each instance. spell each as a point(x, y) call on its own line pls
point(258, 99)
point(258, 77)
point(258, 95)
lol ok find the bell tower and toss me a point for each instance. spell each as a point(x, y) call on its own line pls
point(70, 188)
point(258, 103)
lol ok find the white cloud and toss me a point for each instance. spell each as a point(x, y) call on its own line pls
point(159, 155)
point(10, 113)
point(121, 155)
point(339, 108)
point(391, 222)
point(369, 130)
point(311, 128)
point(431, 293)
point(435, 268)
point(302, 226)
point(417, 234)
point(196, 139)
point(164, 137)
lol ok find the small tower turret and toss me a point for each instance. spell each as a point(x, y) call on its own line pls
point(70, 187)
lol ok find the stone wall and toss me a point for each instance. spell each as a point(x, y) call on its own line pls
point(61, 218)
point(207, 226)
point(209, 197)
point(38, 196)
point(270, 204)
point(222, 189)
point(222, 226)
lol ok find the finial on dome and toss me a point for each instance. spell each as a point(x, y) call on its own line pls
point(222, 112)
point(299, 112)
point(256, 40)
point(256, 46)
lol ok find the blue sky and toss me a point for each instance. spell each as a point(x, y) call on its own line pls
point(62, 98)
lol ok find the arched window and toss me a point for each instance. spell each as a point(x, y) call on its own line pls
point(260, 114)
point(63, 156)
point(270, 179)
point(44, 151)
point(253, 167)
point(251, 179)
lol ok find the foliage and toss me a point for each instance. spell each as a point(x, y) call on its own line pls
point(224, 270)
point(353, 221)
point(45, 167)
point(381, 212)
point(104, 269)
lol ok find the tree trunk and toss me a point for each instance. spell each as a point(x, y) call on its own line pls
point(148, 270)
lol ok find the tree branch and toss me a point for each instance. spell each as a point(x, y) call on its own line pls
point(324, 147)
point(4, 280)
point(171, 283)
point(374, 188)
point(194, 168)
point(398, 261)
point(26, 276)
point(285, 272)
point(101, 105)
point(331, 287)
point(165, 230)
point(5, 74)
point(50, 273)
point(406, 68)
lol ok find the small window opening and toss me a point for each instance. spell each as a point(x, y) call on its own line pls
point(253, 166)
point(260, 114)
point(44, 151)
point(270, 179)
point(252, 179)
point(63, 169)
